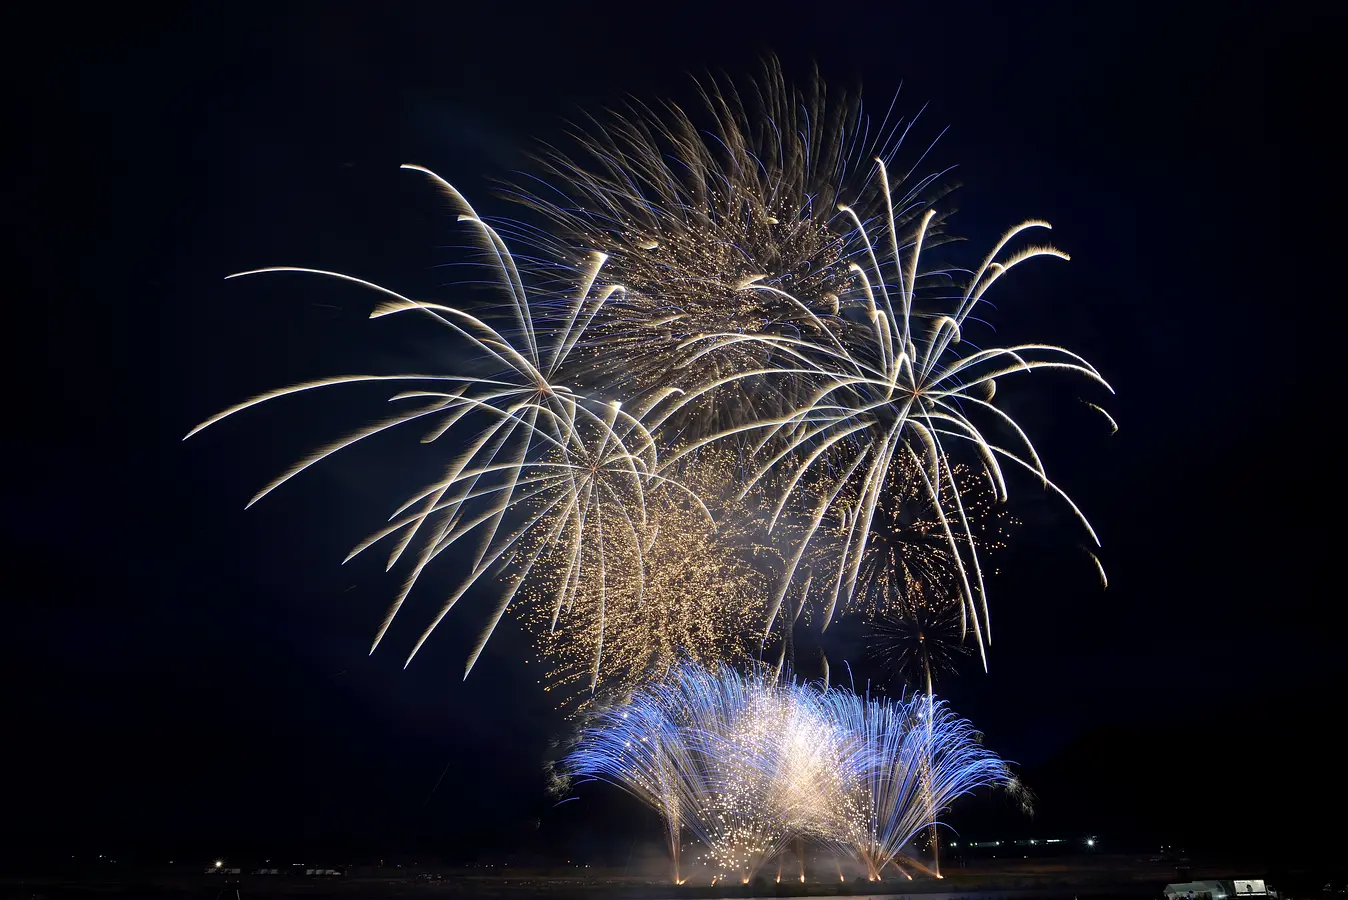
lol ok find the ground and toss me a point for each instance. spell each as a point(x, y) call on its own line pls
point(1099, 877)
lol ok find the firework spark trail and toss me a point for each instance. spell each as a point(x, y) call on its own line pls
point(751, 290)
point(909, 591)
point(883, 394)
point(747, 764)
point(723, 756)
point(920, 641)
point(701, 598)
point(555, 457)
point(693, 210)
point(775, 293)
point(918, 757)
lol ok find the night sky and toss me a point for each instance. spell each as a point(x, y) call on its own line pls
point(180, 673)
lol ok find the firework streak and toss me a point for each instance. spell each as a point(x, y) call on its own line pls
point(746, 764)
point(724, 389)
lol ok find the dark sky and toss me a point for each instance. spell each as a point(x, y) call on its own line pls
point(181, 673)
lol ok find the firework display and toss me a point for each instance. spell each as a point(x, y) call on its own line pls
point(719, 224)
point(908, 590)
point(746, 764)
point(883, 392)
point(775, 294)
point(700, 597)
point(725, 395)
point(572, 469)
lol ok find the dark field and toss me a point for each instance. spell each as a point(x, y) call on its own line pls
point(1098, 877)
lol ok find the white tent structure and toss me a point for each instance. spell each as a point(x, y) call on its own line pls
point(1253, 888)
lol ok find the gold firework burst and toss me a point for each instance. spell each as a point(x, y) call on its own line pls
point(692, 209)
point(680, 587)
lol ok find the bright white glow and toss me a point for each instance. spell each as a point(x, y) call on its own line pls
point(749, 764)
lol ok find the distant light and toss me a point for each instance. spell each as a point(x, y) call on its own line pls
point(1090, 842)
point(219, 863)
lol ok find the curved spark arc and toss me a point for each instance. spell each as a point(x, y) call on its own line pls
point(566, 458)
point(802, 368)
point(918, 757)
point(868, 391)
point(748, 763)
point(748, 294)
